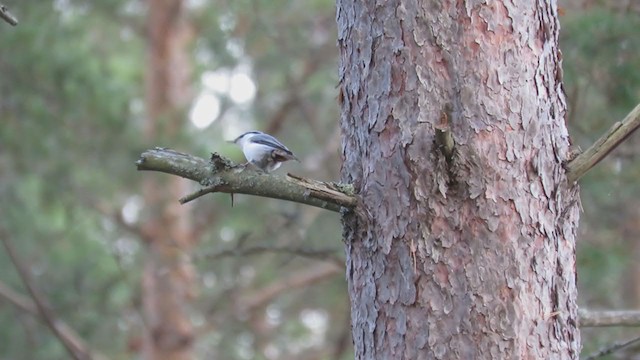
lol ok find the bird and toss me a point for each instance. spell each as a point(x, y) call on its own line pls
point(263, 150)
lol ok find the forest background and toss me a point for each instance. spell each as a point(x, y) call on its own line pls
point(265, 277)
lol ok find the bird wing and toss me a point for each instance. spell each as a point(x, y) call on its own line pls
point(270, 141)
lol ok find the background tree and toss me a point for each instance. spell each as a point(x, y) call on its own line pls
point(72, 118)
point(168, 282)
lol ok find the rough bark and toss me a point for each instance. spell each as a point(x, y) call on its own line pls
point(464, 247)
point(168, 278)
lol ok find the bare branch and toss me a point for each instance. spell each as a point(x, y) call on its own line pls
point(319, 254)
point(25, 304)
point(292, 97)
point(7, 16)
point(296, 280)
point(590, 318)
point(613, 348)
point(77, 349)
point(20, 301)
point(582, 163)
point(221, 175)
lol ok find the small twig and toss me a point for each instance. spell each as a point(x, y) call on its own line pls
point(74, 348)
point(591, 318)
point(613, 348)
point(579, 166)
point(202, 192)
point(7, 16)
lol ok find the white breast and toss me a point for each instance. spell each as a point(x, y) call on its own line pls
point(256, 152)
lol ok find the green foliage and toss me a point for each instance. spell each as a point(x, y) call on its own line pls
point(71, 89)
point(64, 111)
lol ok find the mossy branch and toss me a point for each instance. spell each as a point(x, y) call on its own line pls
point(221, 175)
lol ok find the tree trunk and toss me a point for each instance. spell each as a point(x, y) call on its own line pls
point(454, 137)
point(168, 279)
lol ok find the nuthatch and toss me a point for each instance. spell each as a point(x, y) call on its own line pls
point(263, 150)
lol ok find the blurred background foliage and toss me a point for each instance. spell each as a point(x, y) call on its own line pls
point(270, 280)
point(601, 50)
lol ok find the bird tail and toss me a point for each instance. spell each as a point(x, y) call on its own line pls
point(282, 156)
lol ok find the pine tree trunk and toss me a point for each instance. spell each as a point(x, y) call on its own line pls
point(168, 279)
point(454, 137)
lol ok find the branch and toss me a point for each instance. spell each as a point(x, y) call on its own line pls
point(75, 348)
point(292, 98)
point(19, 300)
point(590, 318)
point(582, 163)
point(7, 16)
point(296, 280)
point(613, 348)
point(25, 304)
point(221, 175)
point(318, 254)
point(247, 303)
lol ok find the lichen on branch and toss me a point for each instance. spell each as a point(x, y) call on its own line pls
point(219, 174)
